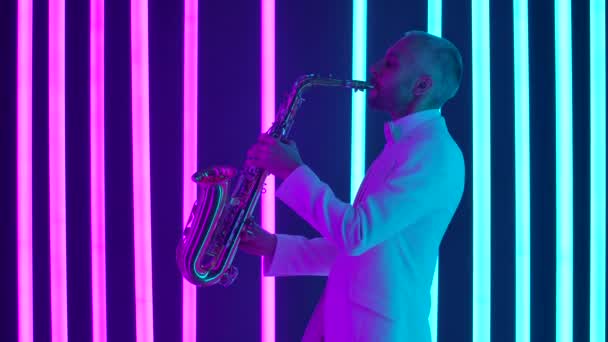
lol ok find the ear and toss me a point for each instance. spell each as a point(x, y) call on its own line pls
point(422, 85)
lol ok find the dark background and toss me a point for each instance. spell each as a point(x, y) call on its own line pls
point(311, 36)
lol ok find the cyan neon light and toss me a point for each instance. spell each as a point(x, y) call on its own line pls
point(57, 191)
point(522, 170)
point(190, 144)
point(267, 13)
point(141, 171)
point(434, 17)
point(597, 148)
point(98, 197)
point(358, 101)
point(25, 294)
point(434, 27)
point(482, 193)
point(564, 170)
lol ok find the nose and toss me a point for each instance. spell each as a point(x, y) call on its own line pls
point(373, 70)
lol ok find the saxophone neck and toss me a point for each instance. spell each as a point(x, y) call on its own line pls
point(316, 80)
point(282, 126)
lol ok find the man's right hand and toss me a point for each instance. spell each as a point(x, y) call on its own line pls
point(255, 240)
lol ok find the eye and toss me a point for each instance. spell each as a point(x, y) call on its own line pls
point(390, 63)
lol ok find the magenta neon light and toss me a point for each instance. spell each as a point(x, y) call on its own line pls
point(141, 171)
point(25, 306)
point(268, 116)
point(189, 151)
point(57, 192)
point(98, 209)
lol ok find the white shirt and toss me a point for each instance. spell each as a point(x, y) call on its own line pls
point(380, 252)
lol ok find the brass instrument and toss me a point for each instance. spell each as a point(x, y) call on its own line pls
point(226, 200)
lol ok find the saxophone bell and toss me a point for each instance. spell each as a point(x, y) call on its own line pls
point(226, 199)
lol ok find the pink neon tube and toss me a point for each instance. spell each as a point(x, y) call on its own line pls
point(141, 171)
point(268, 116)
point(190, 151)
point(98, 210)
point(57, 192)
point(25, 305)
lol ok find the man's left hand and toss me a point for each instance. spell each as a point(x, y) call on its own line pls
point(277, 157)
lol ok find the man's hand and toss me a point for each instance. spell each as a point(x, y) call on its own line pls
point(276, 157)
point(257, 241)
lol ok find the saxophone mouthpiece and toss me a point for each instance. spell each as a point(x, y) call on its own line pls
point(359, 85)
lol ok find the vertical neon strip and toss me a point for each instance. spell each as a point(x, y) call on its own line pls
point(57, 191)
point(434, 13)
point(564, 169)
point(522, 170)
point(358, 101)
point(268, 115)
point(25, 293)
point(190, 152)
point(141, 170)
point(434, 10)
point(482, 194)
point(597, 149)
point(98, 196)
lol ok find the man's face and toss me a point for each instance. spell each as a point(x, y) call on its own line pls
point(393, 78)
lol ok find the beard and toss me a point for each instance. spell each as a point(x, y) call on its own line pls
point(389, 99)
point(385, 100)
point(380, 99)
point(374, 100)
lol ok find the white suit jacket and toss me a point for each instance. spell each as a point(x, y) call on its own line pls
point(379, 254)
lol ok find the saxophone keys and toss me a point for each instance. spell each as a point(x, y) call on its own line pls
point(229, 276)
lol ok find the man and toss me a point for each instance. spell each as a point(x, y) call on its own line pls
point(379, 253)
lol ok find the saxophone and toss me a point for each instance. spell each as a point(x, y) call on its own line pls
point(226, 200)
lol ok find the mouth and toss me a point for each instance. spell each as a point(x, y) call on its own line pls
point(374, 83)
point(375, 86)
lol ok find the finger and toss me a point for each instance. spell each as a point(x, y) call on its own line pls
point(257, 153)
point(288, 142)
point(246, 235)
point(265, 148)
point(257, 146)
point(254, 227)
point(259, 149)
point(252, 162)
point(253, 152)
point(257, 159)
point(268, 140)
